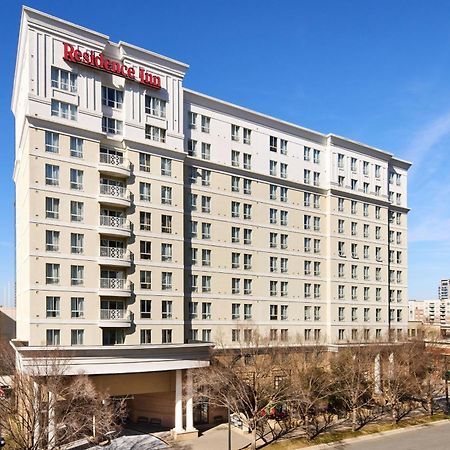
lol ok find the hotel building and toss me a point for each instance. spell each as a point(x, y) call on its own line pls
point(153, 220)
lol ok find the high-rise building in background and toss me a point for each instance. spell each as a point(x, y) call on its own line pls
point(443, 289)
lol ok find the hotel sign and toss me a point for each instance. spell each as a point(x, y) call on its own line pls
point(101, 62)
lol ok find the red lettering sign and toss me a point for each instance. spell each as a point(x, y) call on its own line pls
point(100, 62)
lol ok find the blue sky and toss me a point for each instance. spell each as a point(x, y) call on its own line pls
point(374, 71)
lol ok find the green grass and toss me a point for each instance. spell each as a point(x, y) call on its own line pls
point(334, 436)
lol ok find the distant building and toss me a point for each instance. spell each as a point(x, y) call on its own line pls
point(429, 311)
point(443, 289)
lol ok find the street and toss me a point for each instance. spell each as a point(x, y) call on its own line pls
point(432, 437)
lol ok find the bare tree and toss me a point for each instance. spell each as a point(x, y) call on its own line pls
point(311, 391)
point(45, 408)
point(250, 381)
point(352, 370)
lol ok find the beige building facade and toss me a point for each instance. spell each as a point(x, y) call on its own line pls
point(153, 217)
point(152, 214)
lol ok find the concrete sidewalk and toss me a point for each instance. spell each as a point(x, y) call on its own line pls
point(215, 439)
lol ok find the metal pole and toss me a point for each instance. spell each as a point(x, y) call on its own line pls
point(229, 428)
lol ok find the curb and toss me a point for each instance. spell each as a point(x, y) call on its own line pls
point(331, 445)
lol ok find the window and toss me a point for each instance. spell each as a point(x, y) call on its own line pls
point(206, 311)
point(247, 161)
point(284, 288)
point(340, 160)
point(166, 167)
point(341, 312)
point(316, 178)
point(341, 249)
point(316, 156)
point(64, 110)
point(194, 227)
point(166, 252)
point(193, 310)
point(206, 335)
point(206, 151)
point(76, 243)
point(166, 336)
point(235, 209)
point(166, 309)
point(51, 241)
point(283, 170)
point(317, 291)
point(76, 307)
point(273, 168)
point(145, 192)
point(307, 245)
point(306, 153)
point(145, 278)
point(166, 195)
point(145, 221)
point(283, 194)
point(235, 311)
point(273, 240)
point(273, 312)
point(272, 215)
point(76, 179)
point(111, 126)
point(206, 257)
point(144, 162)
point(146, 336)
point(112, 97)
point(316, 223)
point(235, 257)
point(247, 236)
point(76, 147)
point(51, 208)
point(51, 142)
point(354, 185)
point(155, 133)
point(365, 210)
point(247, 211)
point(52, 307)
point(192, 147)
point(206, 204)
point(273, 143)
point(155, 106)
point(206, 230)
point(51, 175)
point(76, 211)
point(234, 133)
point(206, 177)
point(377, 212)
point(235, 158)
point(76, 275)
point(316, 268)
point(193, 201)
point(307, 176)
point(247, 261)
point(235, 285)
point(284, 218)
point(194, 283)
point(341, 181)
point(307, 267)
point(235, 234)
point(247, 186)
point(206, 124)
point(192, 120)
point(166, 281)
point(64, 80)
point(247, 136)
point(273, 285)
point(353, 207)
point(284, 265)
point(53, 337)
point(206, 283)
point(283, 146)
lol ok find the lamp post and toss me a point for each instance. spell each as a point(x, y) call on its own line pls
point(229, 426)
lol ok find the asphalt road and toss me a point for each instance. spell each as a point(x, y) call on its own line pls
point(432, 437)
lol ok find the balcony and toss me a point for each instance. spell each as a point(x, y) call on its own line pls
point(114, 226)
point(115, 287)
point(115, 256)
point(114, 318)
point(114, 195)
point(115, 165)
